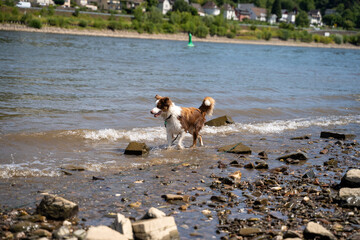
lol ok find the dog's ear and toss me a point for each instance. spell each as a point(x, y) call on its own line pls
point(158, 97)
point(166, 100)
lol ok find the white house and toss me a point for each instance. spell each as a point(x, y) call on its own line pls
point(164, 6)
point(315, 17)
point(46, 2)
point(272, 19)
point(229, 12)
point(210, 8)
point(258, 14)
point(287, 16)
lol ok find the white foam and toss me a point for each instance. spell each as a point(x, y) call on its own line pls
point(152, 134)
point(16, 170)
point(278, 126)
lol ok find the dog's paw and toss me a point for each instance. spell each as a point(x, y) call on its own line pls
point(180, 147)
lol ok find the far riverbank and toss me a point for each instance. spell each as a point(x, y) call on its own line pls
point(173, 37)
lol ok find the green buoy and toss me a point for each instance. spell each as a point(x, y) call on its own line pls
point(190, 44)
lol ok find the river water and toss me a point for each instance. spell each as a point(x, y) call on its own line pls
point(79, 100)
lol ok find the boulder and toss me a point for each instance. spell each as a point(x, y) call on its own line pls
point(339, 136)
point(154, 213)
point(123, 226)
point(58, 208)
point(238, 148)
point(136, 148)
point(349, 197)
point(220, 121)
point(294, 156)
point(351, 179)
point(156, 229)
point(103, 233)
point(316, 231)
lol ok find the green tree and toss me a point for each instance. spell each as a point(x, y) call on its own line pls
point(139, 14)
point(307, 5)
point(181, 6)
point(302, 19)
point(151, 3)
point(276, 9)
point(155, 15)
point(59, 2)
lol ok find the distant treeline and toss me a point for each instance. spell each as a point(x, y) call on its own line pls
point(153, 22)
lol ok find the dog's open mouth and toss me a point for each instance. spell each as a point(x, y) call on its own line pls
point(157, 114)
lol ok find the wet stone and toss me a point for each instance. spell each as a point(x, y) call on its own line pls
point(294, 156)
point(249, 231)
point(136, 148)
point(263, 155)
point(220, 121)
point(24, 226)
point(55, 207)
point(351, 179)
point(238, 148)
point(316, 231)
point(339, 136)
point(301, 137)
point(309, 174)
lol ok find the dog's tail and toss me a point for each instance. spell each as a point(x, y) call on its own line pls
point(207, 106)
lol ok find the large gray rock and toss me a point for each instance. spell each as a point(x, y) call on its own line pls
point(220, 121)
point(349, 197)
point(58, 208)
point(123, 226)
point(314, 230)
point(103, 233)
point(339, 136)
point(351, 179)
point(156, 229)
point(136, 148)
point(238, 148)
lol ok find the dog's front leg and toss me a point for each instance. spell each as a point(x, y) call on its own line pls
point(181, 137)
point(169, 138)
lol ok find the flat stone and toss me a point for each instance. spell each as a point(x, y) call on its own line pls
point(349, 192)
point(62, 233)
point(156, 229)
point(351, 179)
point(316, 231)
point(249, 231)
point(136, 148)
point(236, 176)
point(301, 137)
point(123, 226)
point(238, 148)
point(220, 121)
point(42, 233)
point(295, 156)
point(24, 226)
point(103, 233)
point(58, 208)
point(172, 197)
point(339, 136)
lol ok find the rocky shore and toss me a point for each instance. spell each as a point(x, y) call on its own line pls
point(173, 37)
point(311, 192)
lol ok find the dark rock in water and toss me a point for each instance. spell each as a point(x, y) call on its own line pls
point(218, 199)
point(58, 208)
point(263, 155)
point(316, 231)
point(351, 179)
point(339, 136)
point(301, 137)
point(261, 165)
point(97, 178)
point(238, 148)
point(136, 148)
point(331, 163)
point(249, 166)
point(294, 156)
point(309, 174)
point(220, 121)
point(292, 234)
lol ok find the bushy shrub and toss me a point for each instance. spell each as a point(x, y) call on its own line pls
point(26, 18)
point(168, 28)
point(221, 31)
point(316, 38)
point(149, 27)
point(337, 38)
point(325, 40)
point(305, 36)
point(208, 20)
point(354, 39)
point(266, 34)
point(201, 31)
point(213, 30)
point(83, 23)
point(284, 34)
point(253, 27)
point(288, 26)
point(175, 18)
point(35, 23)
point(100, 24)
point(76, 13)
point(230, 35)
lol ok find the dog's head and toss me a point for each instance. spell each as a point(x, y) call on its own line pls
point(162, 105)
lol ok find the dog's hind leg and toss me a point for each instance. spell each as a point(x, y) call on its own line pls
point(200, 140)
point(195, 136)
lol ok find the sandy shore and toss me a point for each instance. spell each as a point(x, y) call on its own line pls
point(174, 37)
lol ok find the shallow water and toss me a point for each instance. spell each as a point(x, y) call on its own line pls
point(75, 100)
point(79, 100)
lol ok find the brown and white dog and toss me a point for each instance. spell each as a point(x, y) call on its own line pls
point(181, 120)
